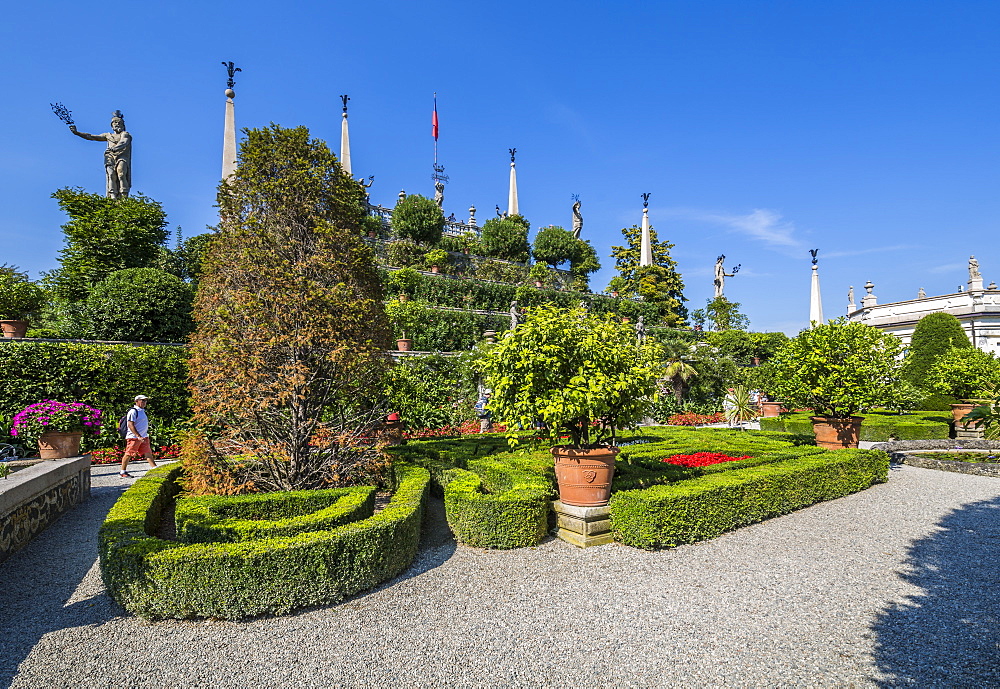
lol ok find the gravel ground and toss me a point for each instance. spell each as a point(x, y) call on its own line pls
point(894, 586)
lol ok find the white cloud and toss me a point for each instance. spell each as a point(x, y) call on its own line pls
point(946, 268)
point(761, 224)
point(874, 250)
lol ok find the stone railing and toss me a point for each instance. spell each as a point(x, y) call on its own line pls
point(452, 228)
point(33, 497)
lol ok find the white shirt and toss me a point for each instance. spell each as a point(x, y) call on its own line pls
point(138, 417)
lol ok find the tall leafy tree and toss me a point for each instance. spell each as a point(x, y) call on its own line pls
point(507, 238)
point(104, 235)
point(721, 314)
point(291, 333)
point(934, 335)
point(660, 283)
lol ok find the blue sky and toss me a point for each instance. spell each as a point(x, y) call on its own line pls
point(870, 130)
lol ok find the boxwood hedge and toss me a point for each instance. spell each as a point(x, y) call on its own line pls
point(156, 578)
point(707, 506)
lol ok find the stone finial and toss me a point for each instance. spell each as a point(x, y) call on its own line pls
point(402, 194)
point(472, 216)
point(991, 286)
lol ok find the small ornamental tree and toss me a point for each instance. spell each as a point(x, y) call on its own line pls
point(555, 246)
point(664, 287)
point(568, 369)
point(139, 305)
point(722, 314)
point(743, 347)
point(19, 297)
point(288, 358)
point(934, 335)
point(104, 235)
point(964, 373)
point(838, 369)
point(418, 218)
point(506, 238)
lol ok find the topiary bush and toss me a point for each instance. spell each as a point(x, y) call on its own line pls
point(933, 335)
point(506, 238)
point(155, 579)
point(419, 219)
point(139, 305)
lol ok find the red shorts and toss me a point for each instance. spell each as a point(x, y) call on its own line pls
point(136, 447)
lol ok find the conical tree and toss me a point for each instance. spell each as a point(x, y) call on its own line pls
point(934, 335)
point(291, 332)
point(660, 283)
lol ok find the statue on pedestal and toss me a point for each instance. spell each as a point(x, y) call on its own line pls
point(921, 294)
point(974, 269)
point(117, 156)
point(850, 295)
point(640, 330)
point(439, 193)
point(721, 275)
point(577, 217)
point(515, 315)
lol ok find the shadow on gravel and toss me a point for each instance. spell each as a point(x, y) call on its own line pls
point(39, 583)
point(949, 635)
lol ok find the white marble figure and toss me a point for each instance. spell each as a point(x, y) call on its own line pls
point(850, 295)
point(921, 294)
point(640, 330)
point(515, 315)
point(117, 156)
point(720, 276)
point(439, 193)
point(577, 220)
point(974, 269)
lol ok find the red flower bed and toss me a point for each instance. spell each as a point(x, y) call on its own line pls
point(464, 428)
point(701, 459)
point(692, 419)
point(113, 455)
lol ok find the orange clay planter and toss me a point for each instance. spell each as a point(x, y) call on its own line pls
point(584, 476)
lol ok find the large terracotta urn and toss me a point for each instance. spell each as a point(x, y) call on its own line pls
point(584, 476)
point(60, 445)
point(770, 409)
point(835, 434)
point(14, 329)
point(404, 345)
point(960, 410)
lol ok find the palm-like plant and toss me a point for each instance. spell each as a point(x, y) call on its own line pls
point(737, 406)
point(679, 372)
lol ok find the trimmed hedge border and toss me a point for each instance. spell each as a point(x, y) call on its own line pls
point(705, 507)
point(875, 428)
point(492, 504)
point(226, 519)
point(155, 579)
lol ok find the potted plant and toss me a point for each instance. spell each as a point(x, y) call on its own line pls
point(436, 258)
point(19, 298)
point(966, 374)
point(404, 282)
point(405, 317)
point(58, 426)
point(575, 376)
point(540, 274)
point(839, 370)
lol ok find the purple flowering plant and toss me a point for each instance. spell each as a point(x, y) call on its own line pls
point(58, 417)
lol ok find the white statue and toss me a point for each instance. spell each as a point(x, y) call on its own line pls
point(921, 294)
point(974, 269)
point(439, 193)
point(117, 156)
point(577, 218)
point(850, 295)
point(721, 275)
point(515, 315)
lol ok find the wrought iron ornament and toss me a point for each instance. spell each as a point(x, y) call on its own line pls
point(513, 151)
point(344, 98)
point(62, 112)
point(645, 200)
point(439, 173)
point(231, 69)
point(813, 252)
point(575, 197)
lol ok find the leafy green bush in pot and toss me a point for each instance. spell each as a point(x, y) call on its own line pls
point(964, 372)
point(19, 297)
point(418, 218)
point(404, 281)
point(506, 238)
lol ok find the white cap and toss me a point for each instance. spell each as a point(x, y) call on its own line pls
point(141, 397)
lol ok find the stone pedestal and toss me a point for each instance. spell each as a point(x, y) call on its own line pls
point(583, 526)
point(970, 433)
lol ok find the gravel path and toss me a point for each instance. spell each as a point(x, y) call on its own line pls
point(895, 586)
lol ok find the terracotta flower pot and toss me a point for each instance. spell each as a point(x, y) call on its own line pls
point(614, 294)
point(834, 434)
point(434, 269)
point(404, 345)
point(14, 329)
point(769, 409)
point(584, 476)
point(538, 284)
point(960, 410)
point(59, 445)
point(403, 298)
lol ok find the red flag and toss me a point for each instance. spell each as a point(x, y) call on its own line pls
point(434, 120)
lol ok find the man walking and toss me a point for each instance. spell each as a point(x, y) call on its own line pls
point(485, 415)
point(137, 437)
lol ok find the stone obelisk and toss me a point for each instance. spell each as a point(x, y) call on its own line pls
point(512, 194)
point(646, 248)
point(345, 140)
point(815, 300)
point(229, 133)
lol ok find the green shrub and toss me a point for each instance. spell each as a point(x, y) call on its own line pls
point(555, 245)
point(155, 579)
point(404, 253)
point(506, 238)
point(225, 519)
point(418, 218)
point(139, 305)
point(933, 335)
point(19, 297)
point(877, 426)
point(705, 507)
point(964, 372)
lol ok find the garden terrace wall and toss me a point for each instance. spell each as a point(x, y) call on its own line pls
point(35, 496)
point(156, 578)
point(705, 507)
point(877, 426)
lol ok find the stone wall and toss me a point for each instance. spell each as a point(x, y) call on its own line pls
point(34, 497)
